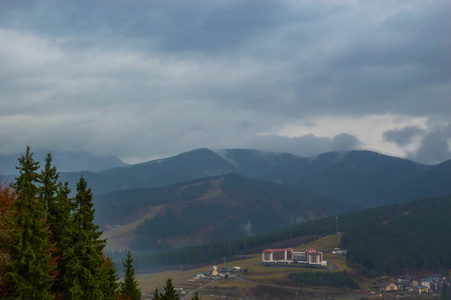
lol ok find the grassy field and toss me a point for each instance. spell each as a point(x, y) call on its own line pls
point(260, 277)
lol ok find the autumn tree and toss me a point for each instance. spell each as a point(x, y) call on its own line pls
point(7, 196)
point(109, 283)
point(30, 267)
point(129, 288)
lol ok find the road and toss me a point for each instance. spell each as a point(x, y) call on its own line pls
point(333, 267)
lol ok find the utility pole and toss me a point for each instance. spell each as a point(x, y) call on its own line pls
point(336, 226)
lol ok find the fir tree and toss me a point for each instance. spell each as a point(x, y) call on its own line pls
point(30, 266)
point(85, 256)
point(195, 296)
point(156, 294)
point(55, 198)
point(49, 185)
point(130, 288)
point(109, 283)
point(170, 292)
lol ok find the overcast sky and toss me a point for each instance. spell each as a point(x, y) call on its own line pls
point(148, 79)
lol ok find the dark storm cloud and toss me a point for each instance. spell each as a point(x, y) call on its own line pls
point(168, 76)
point(390, 64)
point(176, 26)
point(402, 137)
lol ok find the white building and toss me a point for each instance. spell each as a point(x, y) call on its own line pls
point(310, 257)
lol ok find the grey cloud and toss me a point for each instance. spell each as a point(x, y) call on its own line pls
point(345, 142)
point(402, 137)
point(317, 59)
point(434, 147)
point(176, 26)
point(307, 145)
point(114, 75)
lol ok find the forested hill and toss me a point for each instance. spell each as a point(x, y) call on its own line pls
point(211, 209)
point(412, 235)
point(366, 178)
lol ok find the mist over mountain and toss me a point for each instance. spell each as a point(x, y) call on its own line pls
point(65, 162)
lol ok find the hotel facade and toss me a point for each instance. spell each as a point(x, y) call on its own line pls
point(287, 256)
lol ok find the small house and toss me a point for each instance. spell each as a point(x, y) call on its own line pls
point(388, 286)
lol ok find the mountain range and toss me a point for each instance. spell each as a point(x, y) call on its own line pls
point(203, 196)
point(365, 178)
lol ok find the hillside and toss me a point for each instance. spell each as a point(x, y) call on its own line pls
point(209, 210)
point(365, 178)
point(412, 235)
point(186, 166)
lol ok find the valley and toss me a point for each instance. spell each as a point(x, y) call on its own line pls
point(262, 282)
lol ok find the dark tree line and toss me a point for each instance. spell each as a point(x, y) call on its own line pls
point(50, 247)
point(170, 293)
point(415, 239)
point(381, 240)
point(332, 279)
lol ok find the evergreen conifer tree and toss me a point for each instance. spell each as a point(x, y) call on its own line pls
point(49, 185)
point(85, 256)
point(195, 296)
point(170, 292)
point(55, 198)
point(30, 268)
point(156, 294)
point(130, 288)
point(109, 285)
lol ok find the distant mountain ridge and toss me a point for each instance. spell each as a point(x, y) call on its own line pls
point(65, 162)
point(363, 177)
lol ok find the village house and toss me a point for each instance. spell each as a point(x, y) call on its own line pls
point(387, 286)
point(421, 289)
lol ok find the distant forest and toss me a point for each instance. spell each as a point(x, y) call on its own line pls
point(413, 235)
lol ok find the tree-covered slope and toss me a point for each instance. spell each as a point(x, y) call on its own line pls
point(412, 235)
point(213, 209)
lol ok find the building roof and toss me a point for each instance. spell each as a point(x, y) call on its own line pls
point(277, 250)
point(313, 251)
point(384, 284)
